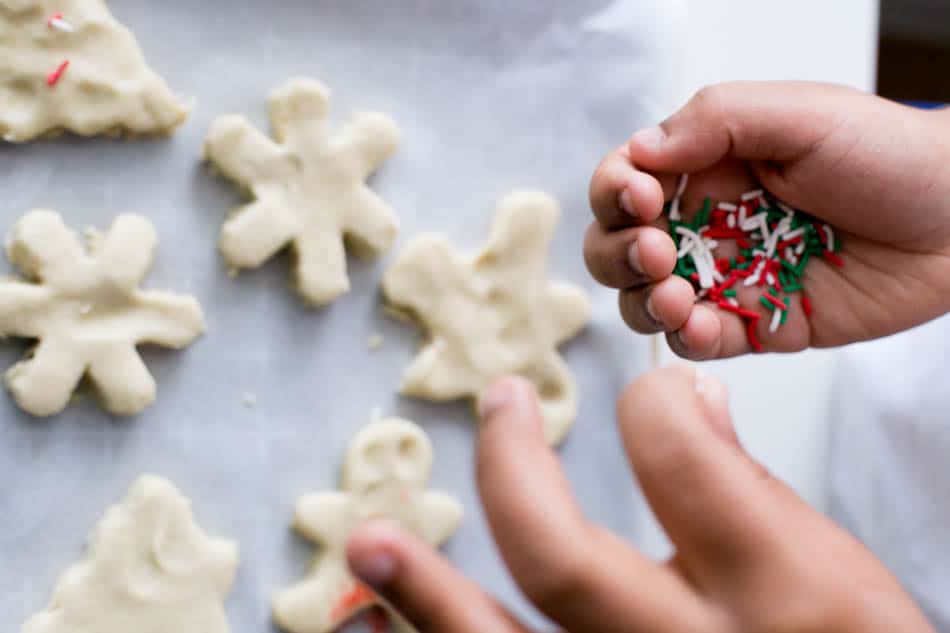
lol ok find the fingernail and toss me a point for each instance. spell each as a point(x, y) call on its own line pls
point(651, 138)
point(377, 570)
point(633, 258)
point(651, 310)
point(495, 398)
point(626, 202)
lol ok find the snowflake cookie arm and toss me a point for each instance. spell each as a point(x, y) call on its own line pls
point(124, 383)
point(163, 318)
point(568, 309)
point(125, 254)
point(324, 518)
point(369, 222)
point(256, 232)
point(439, 517)
point(368, 139)
point(45, 249)
point(43, 383)
point(320, 267)
point(244, 155)
point(21, 305)
point(299, 114)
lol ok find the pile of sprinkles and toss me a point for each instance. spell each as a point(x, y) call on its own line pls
point(58, 23)
point(775, 244)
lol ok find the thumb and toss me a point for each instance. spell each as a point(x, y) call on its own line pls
point(755, 121)
point(720, 508)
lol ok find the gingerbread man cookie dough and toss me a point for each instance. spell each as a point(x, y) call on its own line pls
point(384, 476)
point(492, 314)
point(69, 65)
point(308, 187)
point(148, 567)
point(84, 308)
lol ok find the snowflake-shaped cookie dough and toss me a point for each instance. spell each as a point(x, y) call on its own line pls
point(87, 313)
point(149, 568)
point(384, 476)
point(309, 188)
point(69, 65)
point(493, 314)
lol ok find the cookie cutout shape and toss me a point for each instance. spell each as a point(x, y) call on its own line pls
point(87, 313)
point(493, 314)
point(69, 65)
point(309, 188)
point(384, 476)
point(148, 567)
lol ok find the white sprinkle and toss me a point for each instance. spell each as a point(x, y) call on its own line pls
point(702, 294)
point(742, 214)
point(681, 187)
point(831, 238)
point(711, 244)
point(726, 206)
point(784, 207)
point(770, 279)
point(733, 302)
point(685, 247)
point(61, 25)
point(752, 195)
point(731, 221)
point(375, 342)
point(800, 249)
point(675, 210)
point(717, 276)
point(791, 235)
point(776, 321)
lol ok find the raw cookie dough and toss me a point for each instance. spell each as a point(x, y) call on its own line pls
point(83, 72)
point(87, 313)
point(309, 188)
point(493, 314)
point(149, 568)
point(384, 476)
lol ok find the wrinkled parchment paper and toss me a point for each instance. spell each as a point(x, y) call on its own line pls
point(491, 95)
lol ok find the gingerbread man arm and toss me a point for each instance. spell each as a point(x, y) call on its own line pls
point(438, 373)
point(243, 154)
point(568, 308)
point(426, 271)
point(440, 517)
point(323, 517)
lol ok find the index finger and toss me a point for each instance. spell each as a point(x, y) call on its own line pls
point(578, 574)
point(621, 195)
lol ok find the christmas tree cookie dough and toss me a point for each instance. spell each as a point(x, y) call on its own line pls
point(492, 314)
point(384, 476)
point(308, 187)
point(149, 568)
point(84, 308)
point(69, 65)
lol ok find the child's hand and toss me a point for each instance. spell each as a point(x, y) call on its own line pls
point(751, 556)
point(877, 171)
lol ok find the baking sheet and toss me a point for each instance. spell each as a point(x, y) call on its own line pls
point(491, 96)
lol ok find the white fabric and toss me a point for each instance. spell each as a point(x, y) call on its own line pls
point(889, 470)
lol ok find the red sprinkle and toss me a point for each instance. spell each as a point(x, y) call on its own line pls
point(806, 305)
point(356, 598)
point(53, 18)
point(833, 258)
point(751, 326)
point(775, 302)
point(53, 78)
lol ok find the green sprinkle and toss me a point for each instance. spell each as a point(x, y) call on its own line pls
point(729, 293)
point(773, 292)
point(767, 304)
point(793, 288)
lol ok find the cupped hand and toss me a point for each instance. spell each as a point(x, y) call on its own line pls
point(877, 171)
point(751, 557)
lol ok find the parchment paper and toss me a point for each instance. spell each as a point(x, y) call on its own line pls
point(491, 96)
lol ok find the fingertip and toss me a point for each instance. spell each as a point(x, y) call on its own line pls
point(657, 254)
point(645, 195)
point(700, 336)
point(505, 394)
point(670, 302)
point(715, 398)
point(647, 142)
point(373, 552)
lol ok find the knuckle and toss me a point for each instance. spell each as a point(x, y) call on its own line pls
point(553, 582)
